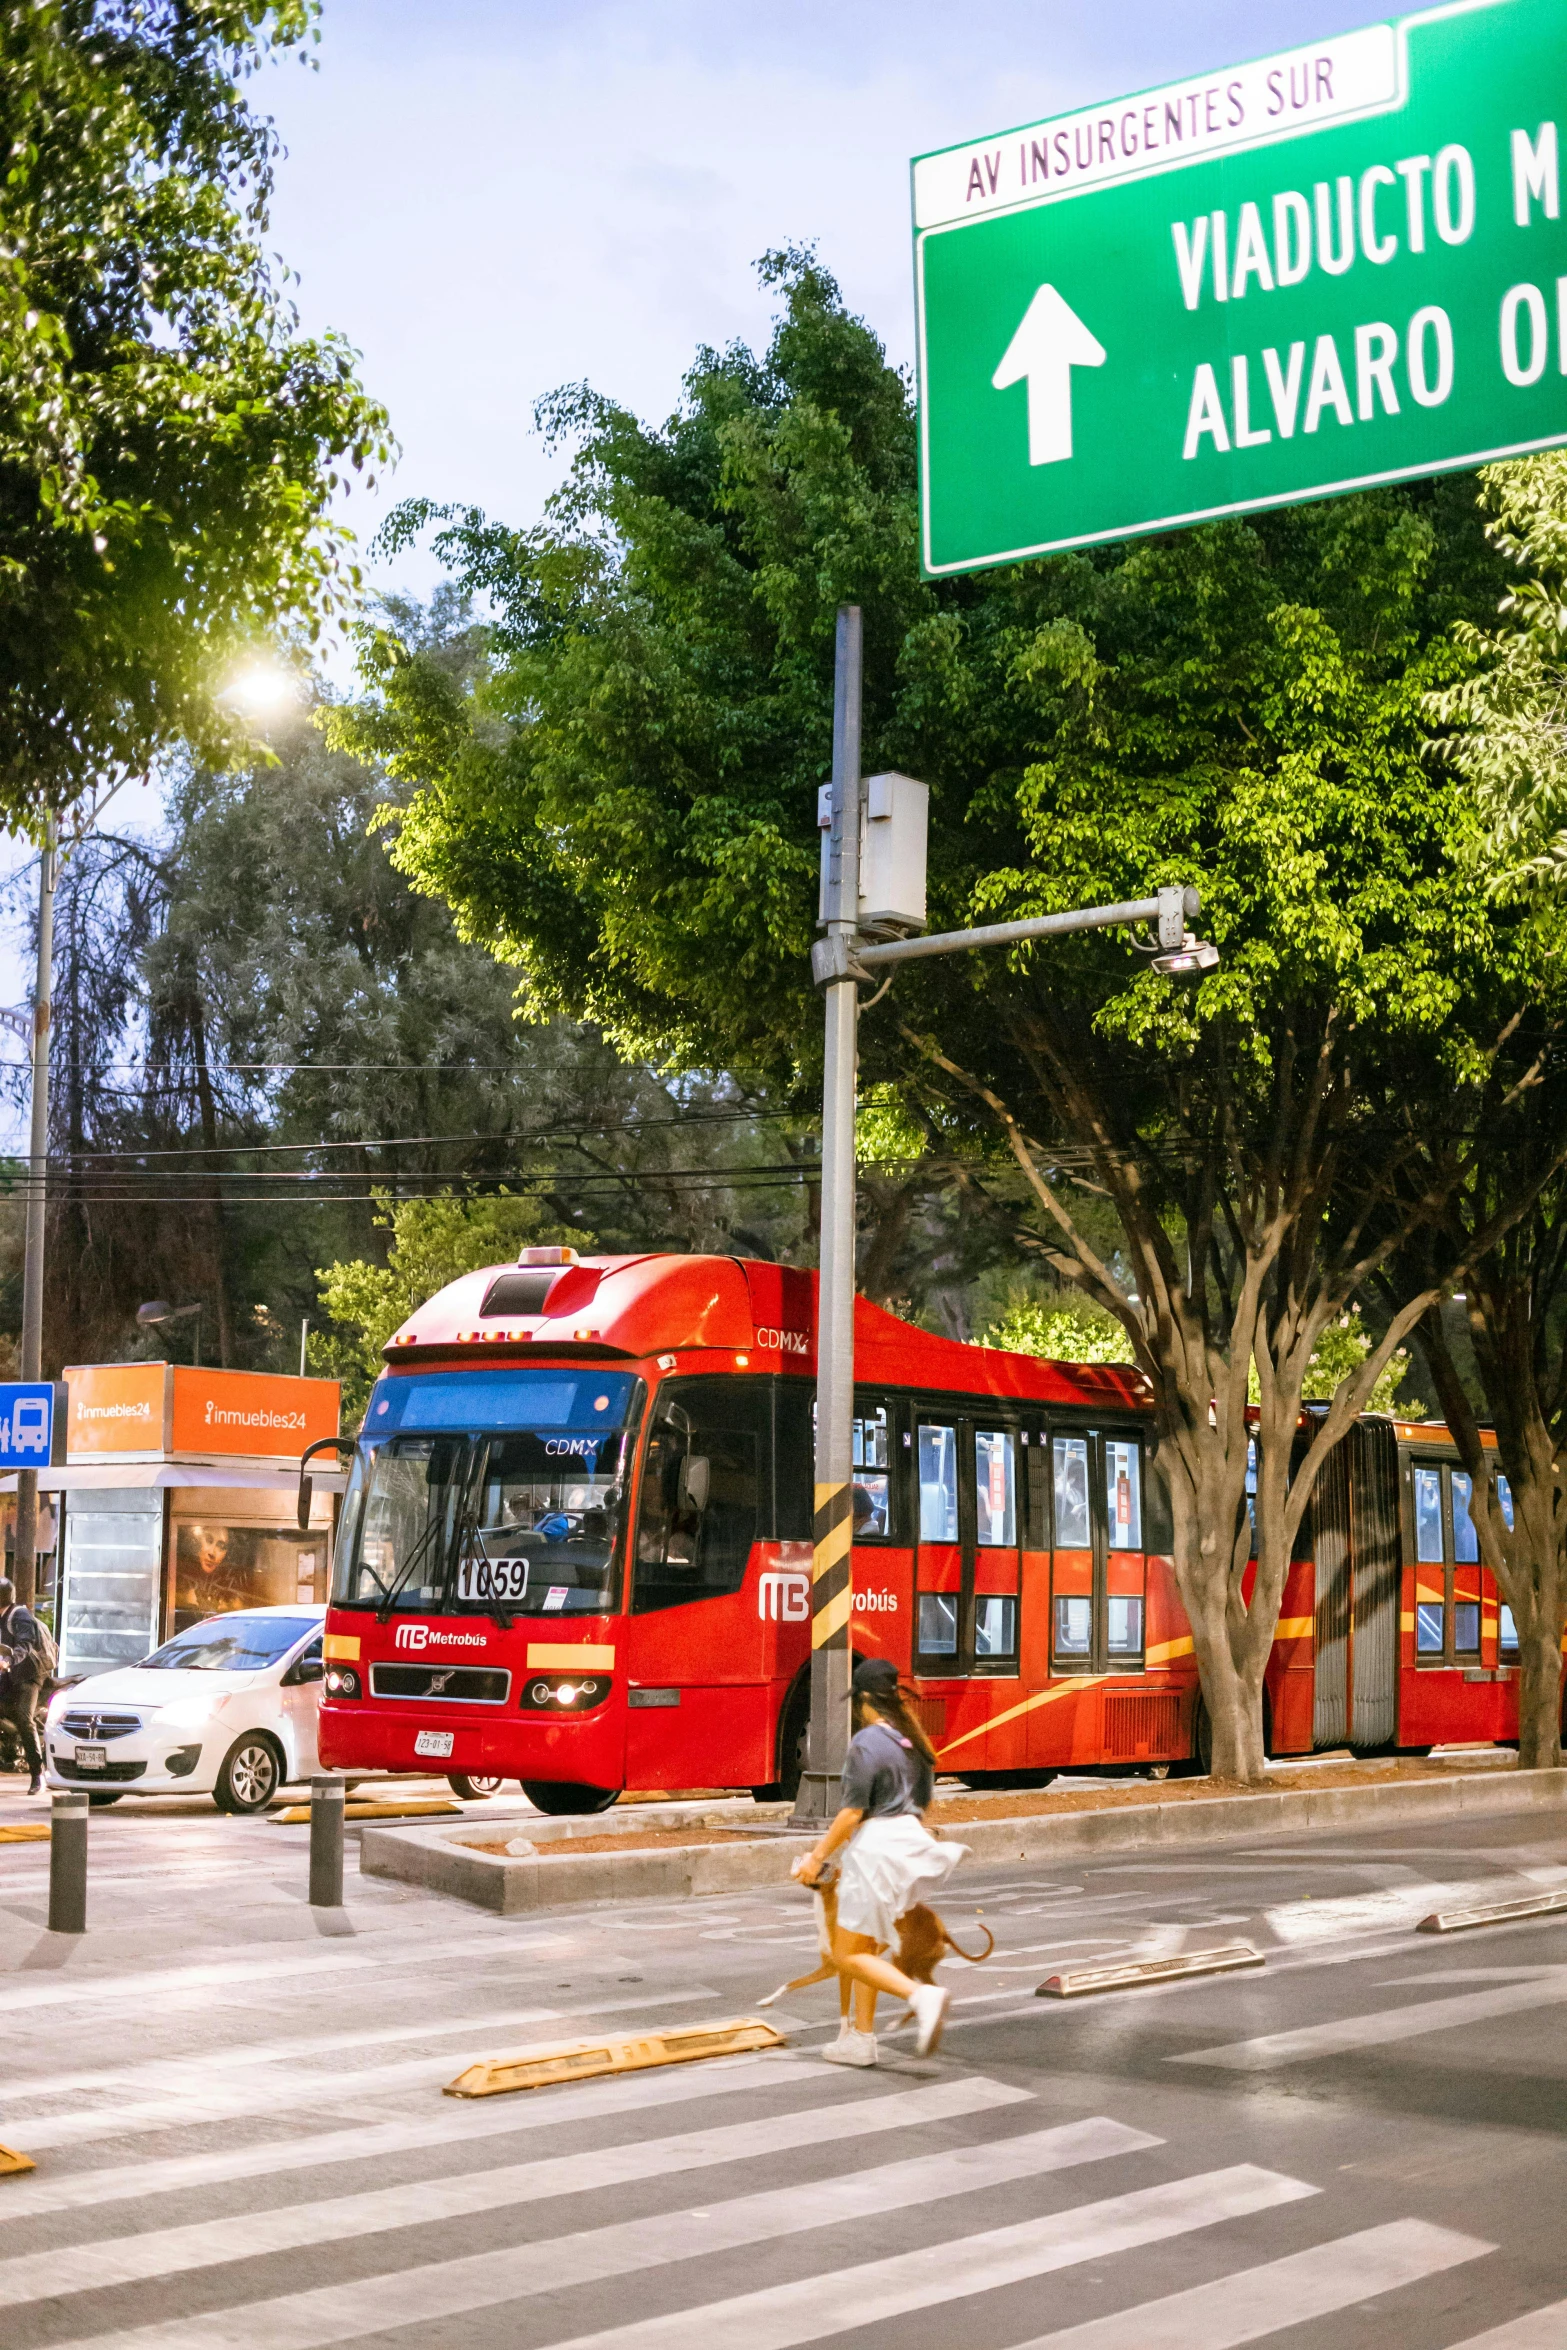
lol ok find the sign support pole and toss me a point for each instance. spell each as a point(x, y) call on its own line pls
point(833, 1522)
point(25, 1571)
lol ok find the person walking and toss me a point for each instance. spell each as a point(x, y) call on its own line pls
point(892, 1860)
point(29, 1664)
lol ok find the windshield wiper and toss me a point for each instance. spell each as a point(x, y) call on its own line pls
point(383, 1613)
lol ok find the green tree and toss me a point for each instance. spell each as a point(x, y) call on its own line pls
point(626, 810)
point(170, 445)
point(433, 1241)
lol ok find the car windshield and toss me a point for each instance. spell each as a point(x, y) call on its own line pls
point(518, 1519)
point(229, 1644)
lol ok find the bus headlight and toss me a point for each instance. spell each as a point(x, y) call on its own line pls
point(563, 1693)
point(341, 1681)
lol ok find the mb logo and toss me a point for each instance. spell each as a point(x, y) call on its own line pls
point(412, 1635)
point(784, 1596)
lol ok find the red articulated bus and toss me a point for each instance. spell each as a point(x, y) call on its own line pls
point(575, 1551)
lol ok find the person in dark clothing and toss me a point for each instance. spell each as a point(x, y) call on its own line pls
point(22, 1680)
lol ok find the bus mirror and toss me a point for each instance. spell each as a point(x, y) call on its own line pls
point(305, 1491)
point(694, 1481)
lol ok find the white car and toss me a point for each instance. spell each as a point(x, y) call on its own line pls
point(227, 1708)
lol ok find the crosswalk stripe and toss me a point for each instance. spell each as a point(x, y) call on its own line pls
point(1255, 2302)
point(839, 2300)
point(247, 2235)
point(167, 1984)
point(229, 2100)
point(449, 2288)
point(161, 2071)
point(1376, 2031)
point(1537, 2329)
point(438, 2125)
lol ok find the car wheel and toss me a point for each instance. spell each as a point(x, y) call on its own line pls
point(100, 1796)
point(561, 1799)
point(251, 1775)
point(472, 1790)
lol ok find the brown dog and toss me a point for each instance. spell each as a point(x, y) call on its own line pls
point(923, 1942)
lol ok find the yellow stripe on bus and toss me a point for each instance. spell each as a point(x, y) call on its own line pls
point(1293, 1628)
point(1041, 1697)
point(557, 1656)
point(1167, 1651)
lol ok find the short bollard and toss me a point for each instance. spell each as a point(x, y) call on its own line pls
point(326, 1843)
point(68, 1864)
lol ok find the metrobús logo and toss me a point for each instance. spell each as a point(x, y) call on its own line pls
point(419, 1636)
point(140, 1410)
point(789, 1342)
point(875, 1603)
point(223, 1416)
point(783, 1596)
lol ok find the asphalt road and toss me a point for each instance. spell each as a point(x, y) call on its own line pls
point(235, 2110)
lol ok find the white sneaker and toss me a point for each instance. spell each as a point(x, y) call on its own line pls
point(930, 2014)
point(851, 2047)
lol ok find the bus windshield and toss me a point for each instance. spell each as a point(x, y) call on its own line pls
point(467, 1508)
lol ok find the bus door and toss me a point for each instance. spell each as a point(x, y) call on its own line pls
point(696, 1671)
point(1099, 1569)
point(967, 1593)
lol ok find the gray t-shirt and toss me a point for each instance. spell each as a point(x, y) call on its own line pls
point(884, 1776)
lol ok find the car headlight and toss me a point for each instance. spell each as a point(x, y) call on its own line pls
point(188, 1716)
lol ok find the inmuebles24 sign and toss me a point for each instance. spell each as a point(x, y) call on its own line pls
point(1341, 266)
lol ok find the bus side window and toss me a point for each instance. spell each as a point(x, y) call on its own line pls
point(938, 1484)
point(873, 1512)
point(1507, 1636)
point(1159, 1521)
point(1071, 1493)
point(701, 1492)
point(1466, 1542)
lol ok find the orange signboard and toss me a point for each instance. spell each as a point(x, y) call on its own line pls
point(250, 1412)
point(166, 1411)
point(117, 1409)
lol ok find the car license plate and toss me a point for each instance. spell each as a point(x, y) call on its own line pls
point(431, 1742)
point(91, 1758)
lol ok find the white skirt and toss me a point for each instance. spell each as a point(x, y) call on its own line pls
point(888, 1866)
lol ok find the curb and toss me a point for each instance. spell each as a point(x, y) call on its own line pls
point(443, 1859)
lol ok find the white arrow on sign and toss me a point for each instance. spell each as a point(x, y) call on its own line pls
point(1051, 341)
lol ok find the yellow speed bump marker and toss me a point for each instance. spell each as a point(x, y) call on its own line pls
point(419, 1807)
point(1492, 1913)
point(1076, 1982)
point(26, 1832)
point(11, 2161)
point(629, 2052)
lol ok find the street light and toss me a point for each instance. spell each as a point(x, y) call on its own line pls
point(157, 1311)
point(855, 948)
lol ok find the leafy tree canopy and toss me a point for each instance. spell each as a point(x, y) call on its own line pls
point(170, 444)
point(627, 812)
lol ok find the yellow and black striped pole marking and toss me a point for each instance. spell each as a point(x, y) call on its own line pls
point(831, 1594)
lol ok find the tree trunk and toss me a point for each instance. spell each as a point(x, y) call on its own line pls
point(1539, 1702)
point(1232, 1694)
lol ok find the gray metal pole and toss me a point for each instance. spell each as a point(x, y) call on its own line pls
point(25, 1573)
point(326, 1843)
point(68, 1863)
point(833, 1526)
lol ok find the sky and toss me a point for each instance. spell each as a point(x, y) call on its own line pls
point(491, 198)
point(495, 197)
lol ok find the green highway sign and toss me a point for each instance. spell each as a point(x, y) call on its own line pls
point(1340, 266)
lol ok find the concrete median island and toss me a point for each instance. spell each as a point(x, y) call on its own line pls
point(672, 1851)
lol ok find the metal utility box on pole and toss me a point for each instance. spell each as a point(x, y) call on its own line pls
point(25, 1569)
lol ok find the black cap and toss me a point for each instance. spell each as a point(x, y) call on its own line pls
point(876, 1677)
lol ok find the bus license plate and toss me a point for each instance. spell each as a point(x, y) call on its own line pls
point(437, 1743)
point(91, 1758)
